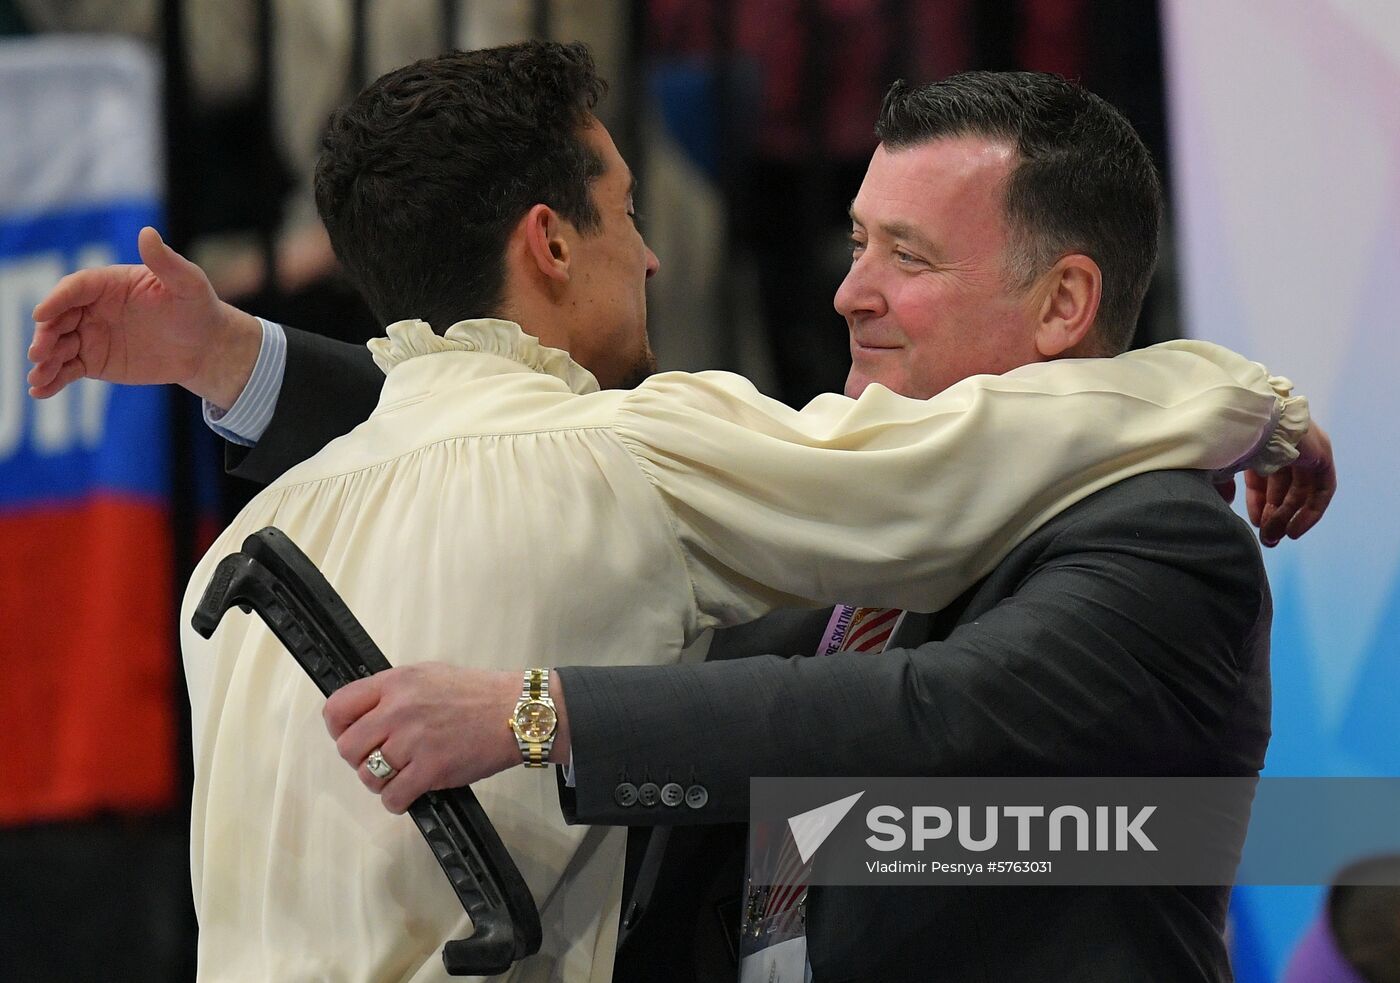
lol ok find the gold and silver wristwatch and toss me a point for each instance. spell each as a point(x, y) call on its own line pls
point(534, 721)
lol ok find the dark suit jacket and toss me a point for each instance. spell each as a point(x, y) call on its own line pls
point(1128, 636)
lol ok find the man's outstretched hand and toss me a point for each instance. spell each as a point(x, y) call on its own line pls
point(1290, 501)
point(154, 323)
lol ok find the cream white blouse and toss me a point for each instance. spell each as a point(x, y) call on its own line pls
point(499, 510)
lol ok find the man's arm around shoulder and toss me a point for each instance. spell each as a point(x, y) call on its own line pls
point(1129, 636)
point(328, 388)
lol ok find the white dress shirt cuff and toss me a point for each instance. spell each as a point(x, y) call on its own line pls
point(246, 420)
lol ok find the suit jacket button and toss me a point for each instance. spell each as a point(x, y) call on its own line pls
point(625, 795)
point(696, 796)
point(648, 794)
point(672, 795)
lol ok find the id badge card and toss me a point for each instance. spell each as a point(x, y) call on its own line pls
point(773, 940)
point(780, 962)
point(773, 929)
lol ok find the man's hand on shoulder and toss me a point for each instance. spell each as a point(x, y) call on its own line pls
point(437, 725)
point(1290, 501)
point(155, 323)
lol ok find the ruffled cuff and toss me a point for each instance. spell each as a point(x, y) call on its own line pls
point(1289, 422)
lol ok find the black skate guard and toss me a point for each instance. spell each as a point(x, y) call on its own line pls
point(273, 577)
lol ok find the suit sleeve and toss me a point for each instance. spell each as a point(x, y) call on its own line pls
point(1131, 647)
point(329, 387)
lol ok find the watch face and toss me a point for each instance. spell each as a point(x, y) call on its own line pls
point(535, 721)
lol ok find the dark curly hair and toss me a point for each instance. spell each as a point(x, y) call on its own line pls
point(1084, 181)
point(425, 173)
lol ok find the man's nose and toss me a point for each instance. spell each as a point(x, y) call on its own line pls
point(858, 294)
point(653, 264)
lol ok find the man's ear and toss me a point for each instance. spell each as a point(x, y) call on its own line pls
point(546, 248)
point(1069, 306)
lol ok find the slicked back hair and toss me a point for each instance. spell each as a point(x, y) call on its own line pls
point(1083, 181)
point(425, 173)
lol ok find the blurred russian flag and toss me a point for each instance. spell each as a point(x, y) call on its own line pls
point(86, 598)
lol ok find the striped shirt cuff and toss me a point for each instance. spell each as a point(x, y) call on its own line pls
point(248, 418)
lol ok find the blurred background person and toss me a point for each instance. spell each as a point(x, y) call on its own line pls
point(1356, 936)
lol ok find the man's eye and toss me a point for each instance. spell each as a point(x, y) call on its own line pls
point(857, 247)
point(636, 218)
point(903, 257)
